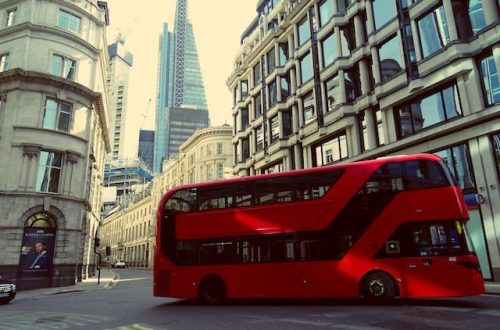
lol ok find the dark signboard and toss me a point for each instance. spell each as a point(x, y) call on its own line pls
point(37, 252)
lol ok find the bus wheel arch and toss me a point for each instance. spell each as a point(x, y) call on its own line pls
point(378, 287)
point(212, 290)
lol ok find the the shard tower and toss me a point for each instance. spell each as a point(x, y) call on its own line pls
point(181, 105)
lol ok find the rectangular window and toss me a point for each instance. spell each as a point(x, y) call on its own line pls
point(383, 12)
point(391, 58)
point(362, 130)
point(244, 118)
point(220, 171)
point(283, 56)
point(331, 151)
point(329, 49)
point(257, 102)
point(285, 86)
point(304, 31)
point(245, 149)
point(57, 115)
point(347, 39)
point(428, 111)
point(69, 21)
point(63, 67)
point(11, 17)
point(332, 92)
point(273, 96)
point(4, 62)
point(308, 108)
point(244, 89)
point(325, 11)
point(380, 127)
point(259, 138)
point(433, 31)
point(459, 162)
point(342, 5)
point(286, 117)
point(49, 172)
point(476, 15)
point(306, 68)
point(271, 63)
point(352, 82)
point(275, 128)
point(490, 79)
point(257, 78)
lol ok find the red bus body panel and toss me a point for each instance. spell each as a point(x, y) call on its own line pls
point(416, 277)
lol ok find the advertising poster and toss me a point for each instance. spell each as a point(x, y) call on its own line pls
point(37, 252)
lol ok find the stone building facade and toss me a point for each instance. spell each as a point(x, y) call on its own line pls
point(130, 230)
point(53, 138)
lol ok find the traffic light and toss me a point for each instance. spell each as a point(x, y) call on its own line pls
point(97, 241)
point(108, 250)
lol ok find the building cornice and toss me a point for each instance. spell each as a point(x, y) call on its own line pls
point(33, 77)
point(203, 133)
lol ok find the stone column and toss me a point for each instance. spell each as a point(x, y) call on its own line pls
point(370, 24)
point(377, 76)
point(371, 128)
point(490, 11)
point(450, 19)
point(358, 28)
point(365, 76)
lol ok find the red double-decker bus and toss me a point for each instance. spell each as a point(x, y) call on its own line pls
point(379, 229)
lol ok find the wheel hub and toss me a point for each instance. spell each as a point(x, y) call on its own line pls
point(377, 287)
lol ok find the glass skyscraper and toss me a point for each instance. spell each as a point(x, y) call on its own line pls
point(180, 88)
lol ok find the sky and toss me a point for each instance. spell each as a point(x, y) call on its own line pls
point(217, 25)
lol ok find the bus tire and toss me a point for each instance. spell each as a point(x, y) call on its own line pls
point(212, 290)
point(378, 288)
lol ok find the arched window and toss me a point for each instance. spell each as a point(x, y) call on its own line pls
point(41, 220)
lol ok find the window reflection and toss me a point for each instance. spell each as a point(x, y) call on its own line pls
point(329, 49)
point(332, 150)
point(325, 11)
point(459, 161)
point(383, 12)
point(306, 72)
point(490, 79)
point(391, 59)
point(304, 31)
point(332, 92)
point(433, 30)
point(428, 111)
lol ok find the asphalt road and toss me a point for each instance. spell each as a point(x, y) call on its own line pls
point(130, 305)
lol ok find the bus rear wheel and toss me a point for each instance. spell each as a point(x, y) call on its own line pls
point(378, 288)
point(212, 290)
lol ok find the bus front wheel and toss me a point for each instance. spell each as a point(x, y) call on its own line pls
point(378, 288)
point(212, 290)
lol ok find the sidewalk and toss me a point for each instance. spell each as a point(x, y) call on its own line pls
point(107, 279)
point(492, 288)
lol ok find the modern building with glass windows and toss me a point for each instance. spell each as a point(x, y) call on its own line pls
point(180, 86)
point(54, 137)
point(320, 82)
point(120, 63)
point(146, 147)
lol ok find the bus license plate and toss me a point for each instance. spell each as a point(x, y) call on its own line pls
point(4, 294)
